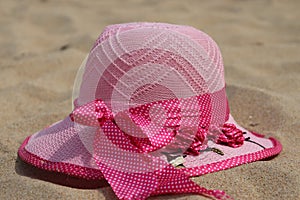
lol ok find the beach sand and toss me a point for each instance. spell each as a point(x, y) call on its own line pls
point(42, 44)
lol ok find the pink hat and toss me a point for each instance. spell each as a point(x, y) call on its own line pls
point(150, 111)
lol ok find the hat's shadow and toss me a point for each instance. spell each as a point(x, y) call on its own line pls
point(24, 169)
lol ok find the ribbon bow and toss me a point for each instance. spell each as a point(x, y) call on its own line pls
point(126, 166)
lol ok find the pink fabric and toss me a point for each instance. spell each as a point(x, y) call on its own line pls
point(131, 184)
point(94, 173)
point(231, 136)
point(235, 161)
point(61, 167)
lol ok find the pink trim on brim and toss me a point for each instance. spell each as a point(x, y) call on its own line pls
point(60, 167)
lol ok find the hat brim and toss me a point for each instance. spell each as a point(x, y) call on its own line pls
point(59, 149)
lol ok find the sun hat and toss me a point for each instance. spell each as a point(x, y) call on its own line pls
point(149, 111)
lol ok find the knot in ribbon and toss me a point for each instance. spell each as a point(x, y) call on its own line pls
point(94, 113)
point(231, 136)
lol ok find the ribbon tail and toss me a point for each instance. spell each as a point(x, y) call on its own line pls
point(173, 181)
point(140, 186)
point(129, 186)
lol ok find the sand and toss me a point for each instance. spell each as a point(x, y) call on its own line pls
point(42, 44)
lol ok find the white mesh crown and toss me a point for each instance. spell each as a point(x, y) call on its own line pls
point(139, 63)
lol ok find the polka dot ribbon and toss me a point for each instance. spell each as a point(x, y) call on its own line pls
point(133, 172)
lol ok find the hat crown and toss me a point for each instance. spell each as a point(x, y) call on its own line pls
point(139, 63)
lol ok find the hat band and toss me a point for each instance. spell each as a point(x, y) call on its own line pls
point(97, 114)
